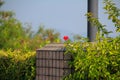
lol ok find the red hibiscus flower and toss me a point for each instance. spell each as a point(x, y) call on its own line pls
point(65, 38)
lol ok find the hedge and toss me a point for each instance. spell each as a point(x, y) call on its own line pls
point(17, 65)
point(95, 61)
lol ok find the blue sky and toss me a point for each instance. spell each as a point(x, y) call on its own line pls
point(65, 16)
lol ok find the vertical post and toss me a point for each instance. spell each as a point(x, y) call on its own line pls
point(93, 8)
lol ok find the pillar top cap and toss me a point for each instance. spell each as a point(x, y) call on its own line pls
point(54, 47)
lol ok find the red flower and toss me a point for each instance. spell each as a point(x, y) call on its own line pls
point(65, 38)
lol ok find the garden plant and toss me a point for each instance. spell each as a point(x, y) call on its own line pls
point(99, 60)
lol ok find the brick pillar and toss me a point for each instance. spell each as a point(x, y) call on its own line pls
point(52, 63)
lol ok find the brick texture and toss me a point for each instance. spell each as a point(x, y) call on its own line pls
point(52, 63)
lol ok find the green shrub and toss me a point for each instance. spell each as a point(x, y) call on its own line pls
point(95, 61)
point(15, 35)
point(16, 65)
point(99, 60)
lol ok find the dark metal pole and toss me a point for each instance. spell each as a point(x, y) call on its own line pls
point(92, 30)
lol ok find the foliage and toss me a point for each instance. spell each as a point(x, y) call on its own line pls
point(48, 34)
point(1, 3)
point(16, 65)
point(99, 60)
point(102, 31)
point(18, 45)
point(78, 37)
point(113, 13)
point(95, 61)
point(13, 35)
point(10, 32)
